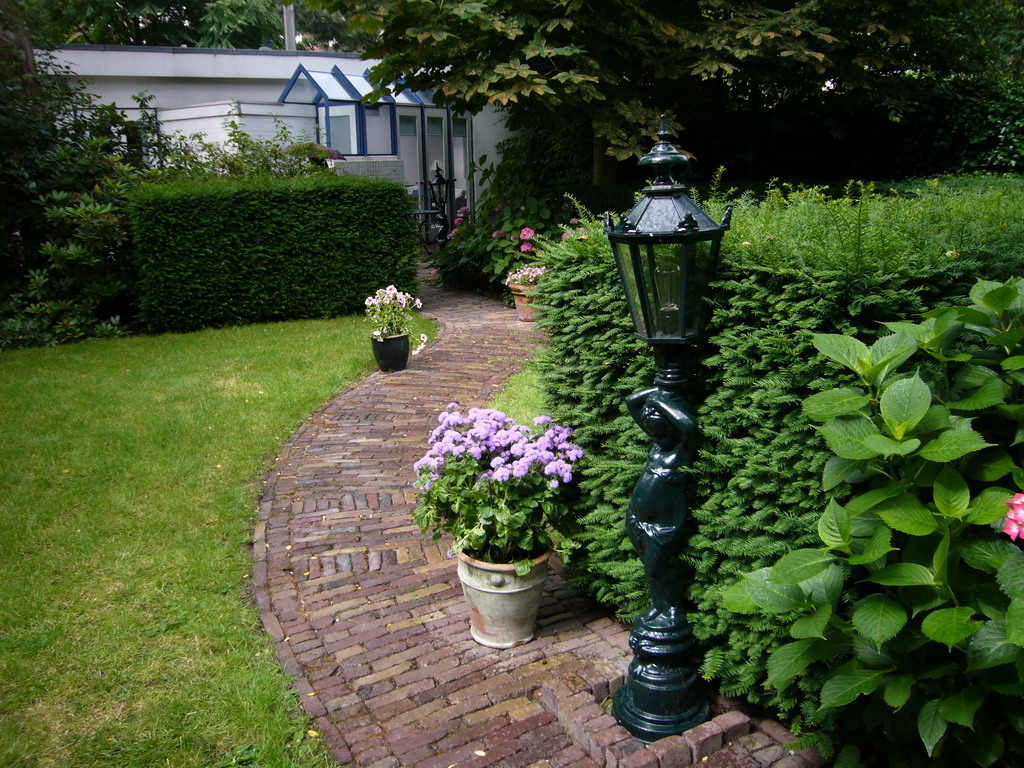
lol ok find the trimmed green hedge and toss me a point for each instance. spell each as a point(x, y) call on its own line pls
point(794, 264)
point(244, 251)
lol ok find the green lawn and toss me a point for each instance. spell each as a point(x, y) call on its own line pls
point(129, 474)
point(522, 397)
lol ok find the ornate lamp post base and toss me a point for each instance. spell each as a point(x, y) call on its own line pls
point(660, 698)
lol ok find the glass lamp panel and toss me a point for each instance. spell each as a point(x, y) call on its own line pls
point(700, 257)
point(671, 282)
point(627, 258)
point(667, 269)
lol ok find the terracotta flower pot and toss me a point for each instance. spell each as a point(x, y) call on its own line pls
point(502, 604)
point(523, 295)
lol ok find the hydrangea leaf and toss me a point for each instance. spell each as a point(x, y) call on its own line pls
point(936, 418)
point(952, 444)
point(903, 575)
point(887, 354)
point(889, 447)
point(737, 599)
point(834, 526)
point(812, 625)
point(789, 660)
point(1010, 576)
point(931, 725)
point(990, 392)
point(835, 402)
point(950, 625)
point(907, 514)
point(903, 404)
point(978, 292)
point(770, 596)
point(1015, 622)
point(874, 547)
point(878, 618)
point(961, 706)
point(838, 470)
point(987, 555)
point(897, 689)
point(950, 493)
point(846, 350)
point(988, 507)
point(800, 565)
point(989, 647)
point(845, 436)
point(825, 587)
point(848, 684)
point(998, 299)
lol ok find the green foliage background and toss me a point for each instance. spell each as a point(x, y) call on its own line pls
point(215, 254)
point(795, 263)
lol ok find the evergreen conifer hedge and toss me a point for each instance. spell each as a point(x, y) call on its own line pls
point(211, 254)
point(794, 265)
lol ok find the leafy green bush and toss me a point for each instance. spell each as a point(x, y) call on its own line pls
point(523, 190)
point(240, 155)
point(910, 619)
point(758, 491)
point(213, 254)
point(63, 271)
point(591, 363)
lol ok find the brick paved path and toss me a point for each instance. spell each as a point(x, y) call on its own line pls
point(367, 614)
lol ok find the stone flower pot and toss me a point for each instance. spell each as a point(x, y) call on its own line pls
point(502, 604)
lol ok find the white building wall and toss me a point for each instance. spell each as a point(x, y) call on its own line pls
point(185, 76)
point(195, 90)
point(261, 120)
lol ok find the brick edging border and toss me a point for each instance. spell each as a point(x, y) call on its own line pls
point(731, 739)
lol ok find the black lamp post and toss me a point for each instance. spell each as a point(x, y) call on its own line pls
point(439, 202)
point(666, 250)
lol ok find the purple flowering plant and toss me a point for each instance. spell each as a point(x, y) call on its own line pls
point(494, 484)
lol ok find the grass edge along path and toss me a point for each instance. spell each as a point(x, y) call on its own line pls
point(129, 473)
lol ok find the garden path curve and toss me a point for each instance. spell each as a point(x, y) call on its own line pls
point(366, 613)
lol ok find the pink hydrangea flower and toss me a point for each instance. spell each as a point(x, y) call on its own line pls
point(458, 220)
point(526, 247)
point(498, 234)
point(527, 233)
point(1014, 526)
point(565, 235)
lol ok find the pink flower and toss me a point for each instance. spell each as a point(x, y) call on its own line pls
point(463, 209)
point(526, 233)
point(499, 207)
point(498, 234)
point(1014, 526)
point(565, 235)
point(458, 220)
point(526, 247)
